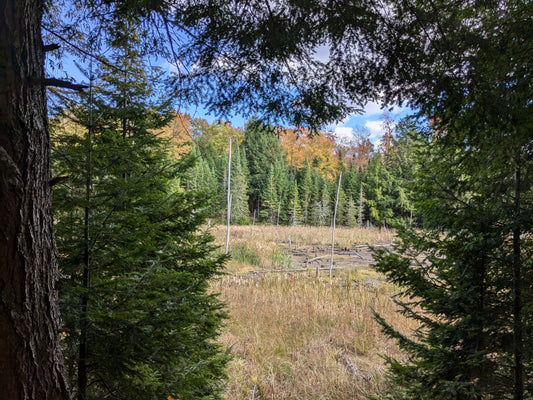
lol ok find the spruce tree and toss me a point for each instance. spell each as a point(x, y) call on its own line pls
point(294, 210)
point(270, 197)
point(305, 192)
point(379, 191)
point(239, 187)
point(341, 207)
point(282, 183)
point(350, 215)
point(467, 275)
point(322, 209)
point(138, 321)
point(400, 164)
point(361, 206)
point(262, 149)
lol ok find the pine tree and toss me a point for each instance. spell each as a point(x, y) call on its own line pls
point(138, 321)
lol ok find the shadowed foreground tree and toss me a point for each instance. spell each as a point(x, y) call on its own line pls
point(31, 365)
point(458, 275)
point(137, 319)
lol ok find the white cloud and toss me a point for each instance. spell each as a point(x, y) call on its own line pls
point(339, 124)
point(343, 133)
point(170, 68)
point(375, 128)
point(372, 108)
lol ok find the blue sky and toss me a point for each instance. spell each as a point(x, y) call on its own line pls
point(370, 120)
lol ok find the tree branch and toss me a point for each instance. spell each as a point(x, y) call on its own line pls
point(50, 47)
point(64, 84)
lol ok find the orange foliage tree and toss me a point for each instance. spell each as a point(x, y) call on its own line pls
point(179, 132)
point(318, 149)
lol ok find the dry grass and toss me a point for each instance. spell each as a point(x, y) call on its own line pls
point(264, 249)
point(294, 336)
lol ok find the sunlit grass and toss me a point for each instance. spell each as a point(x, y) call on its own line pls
point(295, 336)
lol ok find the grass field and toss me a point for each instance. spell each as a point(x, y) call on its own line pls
point(297, 336)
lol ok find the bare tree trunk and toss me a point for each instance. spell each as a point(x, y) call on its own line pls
point(31, 365)
point(229, 199)
point(253, 223)
point(333, 226)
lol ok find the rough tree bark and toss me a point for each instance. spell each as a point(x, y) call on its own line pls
point(31, 365)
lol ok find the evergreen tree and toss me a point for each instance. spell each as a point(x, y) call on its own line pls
point(379, 197)
point(138, 321)
point(350, 216)
point(262, 149)
point(401, 165)
point(341, 207)
point(282, 183)
point(361, 206)
point(351, 182)
point(294, 209)
point(203, 179)
point(306, 192)
point(322, 209)
point(270, 197)
point(464, 273)
point(239, 186)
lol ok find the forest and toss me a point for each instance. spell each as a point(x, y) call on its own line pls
point(113, 279)
point(290, 176)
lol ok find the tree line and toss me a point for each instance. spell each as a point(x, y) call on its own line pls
point(289, 176)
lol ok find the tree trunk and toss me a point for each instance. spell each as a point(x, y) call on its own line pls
point(31, 365)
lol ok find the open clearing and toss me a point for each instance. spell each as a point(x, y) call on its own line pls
point(296, 335)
